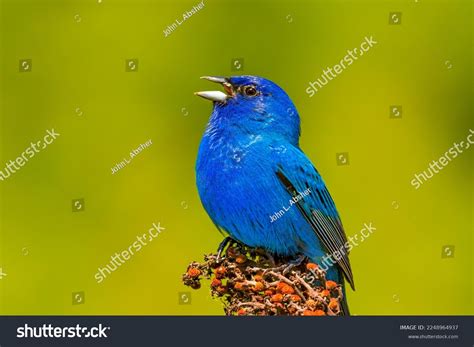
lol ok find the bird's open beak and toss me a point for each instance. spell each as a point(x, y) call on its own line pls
point(217, 96)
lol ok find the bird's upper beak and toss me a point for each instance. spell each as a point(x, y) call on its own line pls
point(216, 95)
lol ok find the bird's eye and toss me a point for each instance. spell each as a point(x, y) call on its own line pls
point(250, 91)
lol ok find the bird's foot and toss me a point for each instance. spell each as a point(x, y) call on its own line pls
point(264, 253)
point(228, 240)
point(290, 265)
point(293, 263)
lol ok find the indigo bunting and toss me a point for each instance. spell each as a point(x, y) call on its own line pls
point(256, 183)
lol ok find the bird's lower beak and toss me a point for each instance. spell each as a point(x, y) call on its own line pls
point(213, 95)
point(217, 96)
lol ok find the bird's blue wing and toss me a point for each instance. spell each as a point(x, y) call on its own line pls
point(297, 174)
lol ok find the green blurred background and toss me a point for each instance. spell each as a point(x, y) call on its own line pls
point(79, 86)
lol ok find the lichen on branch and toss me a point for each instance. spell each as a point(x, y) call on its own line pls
point(250, 281)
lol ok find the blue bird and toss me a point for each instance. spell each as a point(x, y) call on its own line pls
point(256, 183)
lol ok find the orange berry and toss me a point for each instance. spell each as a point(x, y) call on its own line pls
point(286, 289)
point(221, 290)
point(258, 287)
point(334, 304)
point(277, 298)
point(239, 286)
point(319, 313)
point(194, 272)
point(330, 285)
point(308, 313)
point(241, 259)
point(258, 278)
point(241, 312)
point(220, 272)
point(268, 292)
point(311, 303)
point(311, 266)
point(280, 285)
point(216, 283)
point(295, 297)
point(325, 292)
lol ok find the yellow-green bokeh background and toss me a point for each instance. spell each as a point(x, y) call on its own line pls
point(398, 270)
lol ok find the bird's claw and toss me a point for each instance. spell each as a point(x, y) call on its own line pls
point(222, 247)
point(293, 263)
point(286, 268)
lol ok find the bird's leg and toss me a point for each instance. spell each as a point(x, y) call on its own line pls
point(287, 267)
point(267, 255)
point(222, 246)
point(294, 263)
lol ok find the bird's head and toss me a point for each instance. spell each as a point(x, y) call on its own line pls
point(254, 105)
